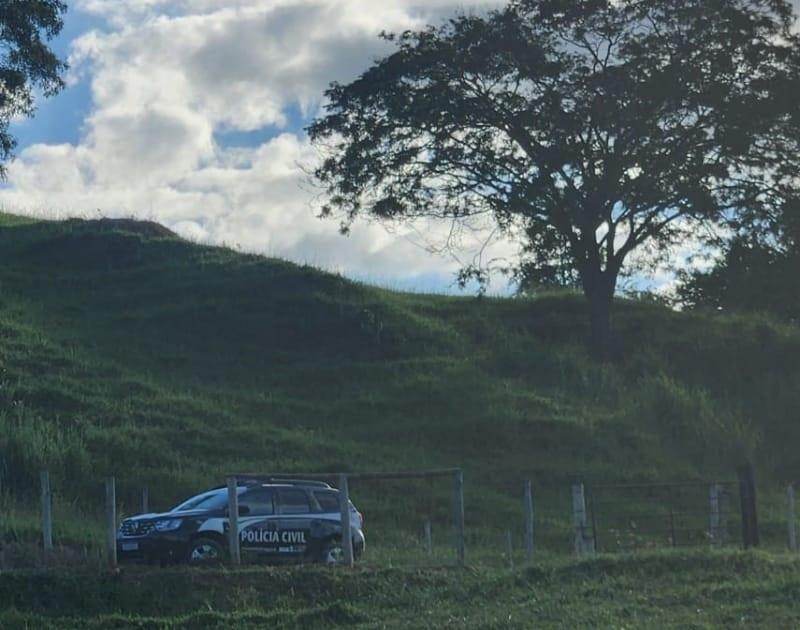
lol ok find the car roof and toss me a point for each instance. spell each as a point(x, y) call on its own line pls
point(311, 485)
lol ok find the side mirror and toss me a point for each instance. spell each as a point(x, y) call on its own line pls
point(244, 510)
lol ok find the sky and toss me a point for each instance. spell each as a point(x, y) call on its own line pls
point(192, 113)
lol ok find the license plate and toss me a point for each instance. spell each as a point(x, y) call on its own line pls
point(130, 546)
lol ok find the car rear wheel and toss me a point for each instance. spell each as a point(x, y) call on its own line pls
point(206, 551)
point(333, 554)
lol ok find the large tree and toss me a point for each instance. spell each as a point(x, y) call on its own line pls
point(591, 128)
point(27, 62)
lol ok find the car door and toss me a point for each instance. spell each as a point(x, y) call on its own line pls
point(258, 526)
point(295, 515)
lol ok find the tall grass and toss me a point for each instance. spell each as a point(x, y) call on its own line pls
point(30, 444)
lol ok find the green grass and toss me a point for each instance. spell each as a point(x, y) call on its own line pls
point(664, 590)
point(126, 351)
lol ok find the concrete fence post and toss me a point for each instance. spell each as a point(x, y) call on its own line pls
point(458, 492)
point(583, 543)
point(344, 510)
point(791, 518)
point(747, 499)
point(234, 549)
point(528, 521)
point(47, 513)
point(715, 521)
point(510, 549)
point(111, 522)
point(145, 500)
point(428, 539)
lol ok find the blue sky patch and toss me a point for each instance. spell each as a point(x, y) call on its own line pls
point(59, 119)
point(234, 138)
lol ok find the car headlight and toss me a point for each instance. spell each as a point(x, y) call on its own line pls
point(168, 525)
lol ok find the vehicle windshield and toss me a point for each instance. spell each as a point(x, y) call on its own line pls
point(215, 500)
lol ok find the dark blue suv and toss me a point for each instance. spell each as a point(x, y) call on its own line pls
point(278, 521)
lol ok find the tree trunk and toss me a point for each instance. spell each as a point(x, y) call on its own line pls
point(599, 289)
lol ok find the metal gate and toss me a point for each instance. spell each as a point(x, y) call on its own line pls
point(626, 517)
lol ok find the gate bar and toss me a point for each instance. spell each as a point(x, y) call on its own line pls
point(335, 476)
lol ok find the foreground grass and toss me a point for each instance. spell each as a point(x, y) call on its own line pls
point(126, 351)
point(686, 590)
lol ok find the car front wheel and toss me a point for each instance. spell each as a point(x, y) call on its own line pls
point(203, 551)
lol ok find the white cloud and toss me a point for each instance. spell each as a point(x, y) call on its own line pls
point(167, 75)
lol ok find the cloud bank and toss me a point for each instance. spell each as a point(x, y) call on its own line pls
point(172, 80)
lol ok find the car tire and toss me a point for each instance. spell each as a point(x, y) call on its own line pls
point(206, 551)
point(332, 554)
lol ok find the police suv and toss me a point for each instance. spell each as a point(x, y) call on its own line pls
point(278, 521)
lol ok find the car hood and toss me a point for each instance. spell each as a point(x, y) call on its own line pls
point(154, 516)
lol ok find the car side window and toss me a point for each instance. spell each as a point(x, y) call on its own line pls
point(293, 501)
point(328, 500)
point(259, 500)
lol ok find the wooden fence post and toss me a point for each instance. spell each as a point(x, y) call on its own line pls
point(234, 551)
point(510, 549)
point(47, 513)
point(528, 521)
point(791, 518)
point(715, 530)
point(583, 544)
point(458, 491)
point(428, 540)
point(344, 510)
point(145, 500)
point(111, 522)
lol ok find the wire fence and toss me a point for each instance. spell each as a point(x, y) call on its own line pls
point(437, 518)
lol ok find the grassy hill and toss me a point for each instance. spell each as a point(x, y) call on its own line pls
point(125, 350)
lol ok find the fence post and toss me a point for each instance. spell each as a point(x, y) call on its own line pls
point(111, 521)
point(428, 540)
point(528, 521)
point(47, 513)
point(458, 491)
point(233, 521)
point(344, 510)
point(583, 544)
point(510, 549)
point(715, 532)
point(145, 500)
point(791, 517)
point(747, 495)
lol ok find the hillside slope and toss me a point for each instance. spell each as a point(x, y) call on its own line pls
point(125, 350)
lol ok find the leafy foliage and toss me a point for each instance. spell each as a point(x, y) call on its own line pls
point(26, 61)
point(754, 274)
point(585, 130)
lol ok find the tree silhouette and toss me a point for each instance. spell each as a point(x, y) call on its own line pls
point(26, 61)
point(584, 128)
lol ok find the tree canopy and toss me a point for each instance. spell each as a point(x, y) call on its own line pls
point(586, 129)
point(756, 272)
point(27, 63)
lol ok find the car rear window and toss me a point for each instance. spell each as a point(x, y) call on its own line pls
point(294, 501)
point(328, 501)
